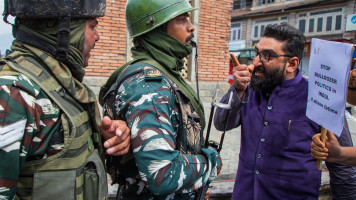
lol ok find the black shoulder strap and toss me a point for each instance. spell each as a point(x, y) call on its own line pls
point(112, 80)
point(126, 73)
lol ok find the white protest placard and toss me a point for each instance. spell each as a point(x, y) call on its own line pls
point(329, 67)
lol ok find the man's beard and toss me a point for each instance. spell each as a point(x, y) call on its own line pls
point(271, 79)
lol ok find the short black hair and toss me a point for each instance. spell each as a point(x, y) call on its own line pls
point(292, 37)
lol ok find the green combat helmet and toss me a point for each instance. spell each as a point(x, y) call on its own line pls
point(143, 16)
point(63, 10)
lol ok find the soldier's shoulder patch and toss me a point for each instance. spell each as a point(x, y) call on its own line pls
point(153, 75)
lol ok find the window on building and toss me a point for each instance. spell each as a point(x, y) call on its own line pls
point(235, 33)
point(256, 31)
point(311, 25)
point(259, 25)
point(262, 30)
point(263, 2)
point(326, 11)
point(321, 21)
point(338, 22)
point(249, 3)
point(320, 24)
point(267, 1)
point(238, 4)
point(303, 15)
point(242, 3)
point(329, 21)
point(302, 25)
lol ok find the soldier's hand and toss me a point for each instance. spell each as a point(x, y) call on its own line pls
point(117, 136)
point(242, 76)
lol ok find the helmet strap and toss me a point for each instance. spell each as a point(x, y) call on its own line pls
point(164, 27)
point(63, 38)
point(6, 12)
point(194, 45)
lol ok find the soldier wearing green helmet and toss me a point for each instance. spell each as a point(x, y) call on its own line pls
point(142, 17)
point(50, 128)
point(164, 113)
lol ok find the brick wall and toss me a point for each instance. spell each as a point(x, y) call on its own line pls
point(110, 52)
point(213, 39)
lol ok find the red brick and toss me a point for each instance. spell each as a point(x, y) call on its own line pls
point(213, 39)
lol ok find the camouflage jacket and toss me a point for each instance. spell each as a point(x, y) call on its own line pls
point(30, 128)
point(156, 168)
point(43, 143)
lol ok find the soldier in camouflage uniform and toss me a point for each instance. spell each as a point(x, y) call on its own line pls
point(163, 112)
point(50, 138)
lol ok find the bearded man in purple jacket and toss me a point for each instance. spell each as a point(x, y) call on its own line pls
point(275, 160)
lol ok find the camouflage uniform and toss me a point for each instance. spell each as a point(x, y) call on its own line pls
point(49, 129)
point(159, 167)
point(50, 145)
point(30, 127)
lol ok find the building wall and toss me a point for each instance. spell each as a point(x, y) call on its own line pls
point(294, 11)
point(350, 9)
point(213, 39)
point(257, 13)
point(110, 51)
point(212, 22)
point(212, 34)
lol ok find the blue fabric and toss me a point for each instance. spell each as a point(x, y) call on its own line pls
point(354, 56)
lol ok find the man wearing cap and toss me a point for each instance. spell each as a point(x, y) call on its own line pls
point(163, 112)
point(50, 137)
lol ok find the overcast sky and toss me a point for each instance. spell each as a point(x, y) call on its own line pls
point(4, 28)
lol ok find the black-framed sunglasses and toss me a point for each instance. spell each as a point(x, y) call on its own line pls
point(266, 56)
